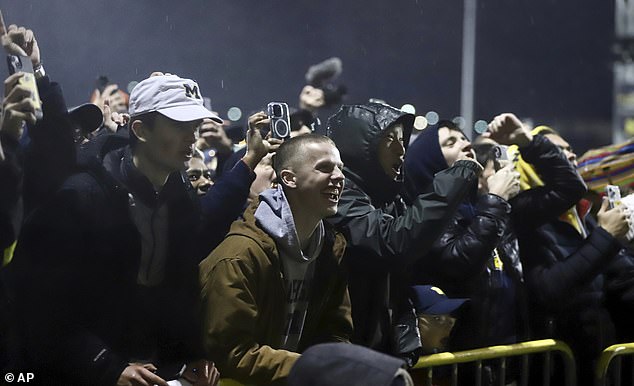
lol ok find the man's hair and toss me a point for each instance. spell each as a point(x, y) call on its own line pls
point(450, 125)
point(292, 151)
point(147, 118)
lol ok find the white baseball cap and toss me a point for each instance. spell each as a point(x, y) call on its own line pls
point(175, 97)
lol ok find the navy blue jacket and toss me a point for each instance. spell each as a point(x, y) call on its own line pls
point(74, 277)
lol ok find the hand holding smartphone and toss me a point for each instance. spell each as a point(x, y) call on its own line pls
point(614, 195)
point(280, 120)
point(23, 64)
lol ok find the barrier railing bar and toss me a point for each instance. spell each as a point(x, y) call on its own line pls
point(478, 373)
point(502, 372)
point(547, 369)
point(607, 356)
point(518, 349)
point(524, 374)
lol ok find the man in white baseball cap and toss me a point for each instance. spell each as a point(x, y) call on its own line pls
point(112, 258)
point(176, 98)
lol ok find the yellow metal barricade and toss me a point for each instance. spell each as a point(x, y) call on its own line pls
point(545, 346)
point(614, 352)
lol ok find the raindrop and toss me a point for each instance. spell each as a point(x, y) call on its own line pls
point(167, 18)
point(222, 84)
point(432, 117)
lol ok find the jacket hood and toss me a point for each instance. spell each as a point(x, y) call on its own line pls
point(274, 215)
point(335, 364)
point(356, 130)
point(423, 160)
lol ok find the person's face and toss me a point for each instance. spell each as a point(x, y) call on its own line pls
point(264, 177)
point(391, 151)
point(489, 170)
point(199, 175)
point(435, 331)
point(169, 144)
point(318, 180)
point(564, 146)
point(454, 145)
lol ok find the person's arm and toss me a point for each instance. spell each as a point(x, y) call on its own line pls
point(50, 156)
point(553, 279)
point(226, 199)
point(563, 186)
point(230, 315)
point(11, 172)
point(463, 250)
point(410, 235)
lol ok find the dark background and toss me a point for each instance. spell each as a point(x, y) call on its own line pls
point(548, 60)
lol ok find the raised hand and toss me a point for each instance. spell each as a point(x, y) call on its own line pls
point(615, 221)
point(505, 182)
point(507, 129)
point(258, 147)
point(19, 41)
point(17, 106)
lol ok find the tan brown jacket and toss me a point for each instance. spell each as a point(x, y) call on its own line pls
point(243, 301)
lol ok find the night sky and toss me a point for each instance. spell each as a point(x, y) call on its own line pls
point(549, 60)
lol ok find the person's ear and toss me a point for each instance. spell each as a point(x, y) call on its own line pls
point(140, 130)
point(288, 178)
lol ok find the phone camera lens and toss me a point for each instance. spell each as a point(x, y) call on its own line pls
point(277, 111)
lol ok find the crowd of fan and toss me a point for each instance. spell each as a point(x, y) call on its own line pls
point(142, 245)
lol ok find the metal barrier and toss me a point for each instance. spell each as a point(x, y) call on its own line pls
point(614, 352)
point(545, 346)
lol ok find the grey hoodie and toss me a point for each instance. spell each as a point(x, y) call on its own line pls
point(274, 216)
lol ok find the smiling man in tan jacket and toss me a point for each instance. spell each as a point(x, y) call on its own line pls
point(275, 285)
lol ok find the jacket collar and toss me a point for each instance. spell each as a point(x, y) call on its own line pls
point(121, 165)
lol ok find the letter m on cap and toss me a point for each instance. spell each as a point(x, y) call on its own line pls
point(191, 91)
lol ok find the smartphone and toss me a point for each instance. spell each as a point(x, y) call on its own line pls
point(23, 64)
point(500, 155)
point(280, 119)
point(501, 152)
point(614, 195)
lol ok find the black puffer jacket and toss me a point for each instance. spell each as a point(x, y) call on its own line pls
point(462, 262)
point(384, 236)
